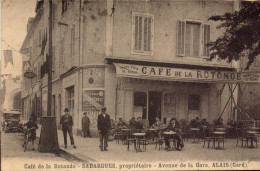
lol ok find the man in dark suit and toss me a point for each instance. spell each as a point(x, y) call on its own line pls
point(85, 125)
point(104, 125)
point(67, 123)
point(174, 127)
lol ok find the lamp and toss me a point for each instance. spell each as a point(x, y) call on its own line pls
point(29, 73)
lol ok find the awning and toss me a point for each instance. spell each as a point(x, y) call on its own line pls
point(184, 74)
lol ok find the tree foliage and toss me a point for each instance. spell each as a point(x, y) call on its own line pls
point(241, 35)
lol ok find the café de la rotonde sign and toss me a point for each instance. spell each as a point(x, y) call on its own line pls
point(165, 73)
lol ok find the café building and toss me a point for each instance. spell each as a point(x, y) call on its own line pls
point(158, 89)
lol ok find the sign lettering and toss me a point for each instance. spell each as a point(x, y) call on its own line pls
point(152, 72)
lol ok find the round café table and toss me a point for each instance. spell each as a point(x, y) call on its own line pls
point(168, 134)
point(252, 134)
point(220, 129)
point(138, 136)
point(256, 129)
point(218, 134)
point(194, 133)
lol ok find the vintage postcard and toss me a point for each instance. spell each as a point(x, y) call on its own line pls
point(130, 85)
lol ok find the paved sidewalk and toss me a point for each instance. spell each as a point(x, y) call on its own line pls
point(88, 150)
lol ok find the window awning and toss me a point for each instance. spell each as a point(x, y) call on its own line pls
point(202, 75)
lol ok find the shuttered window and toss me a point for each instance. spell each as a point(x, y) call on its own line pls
point(206, 40)
point(142, 33)
point(192, 39)
point(180, 38)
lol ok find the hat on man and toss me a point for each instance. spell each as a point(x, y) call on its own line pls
point(84, 113)
point(66, 110)
point(103, 108)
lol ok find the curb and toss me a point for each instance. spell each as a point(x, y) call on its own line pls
point(65, 154)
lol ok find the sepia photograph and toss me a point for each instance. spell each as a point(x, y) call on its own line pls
point(130, 85)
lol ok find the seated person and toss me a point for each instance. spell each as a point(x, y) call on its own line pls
point(145, 123)
point(121, 124)
point(132, 123)
point(113, 125)
point(231, 128)
point(204, 126)
point(138, 124)
point(219, 123)
point(194, 123)
point(174, 126)
point(158, 126)
point(32, 125)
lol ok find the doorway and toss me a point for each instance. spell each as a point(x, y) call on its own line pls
point(154, 106)
point(140, 103)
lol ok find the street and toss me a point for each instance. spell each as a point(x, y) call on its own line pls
point(15, 158)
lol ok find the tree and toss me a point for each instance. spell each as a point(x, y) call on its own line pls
point(241, 35)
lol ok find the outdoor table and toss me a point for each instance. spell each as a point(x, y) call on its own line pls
point(220, 129)
point(169, 133)
point(218, 134)
point(138, 136)
point(194, 132)
point(256, 129)
point(152, 132)
point(252, 133)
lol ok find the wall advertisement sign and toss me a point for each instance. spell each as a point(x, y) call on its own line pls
point(93, 101)
point(165, 73)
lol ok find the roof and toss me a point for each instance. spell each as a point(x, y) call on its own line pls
point(31, 30)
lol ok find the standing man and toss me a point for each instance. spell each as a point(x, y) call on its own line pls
point(67, 123)
point(104, 125)
point(85, 125)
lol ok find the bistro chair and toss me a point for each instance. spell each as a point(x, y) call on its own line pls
point(130, 140)
point(207, 137)
point(119, 136)
point(159, 141)
point(241, 136)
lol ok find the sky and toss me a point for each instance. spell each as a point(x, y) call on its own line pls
point(14, 17)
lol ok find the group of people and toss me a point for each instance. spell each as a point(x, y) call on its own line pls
point(104, 125)
point(139, 124)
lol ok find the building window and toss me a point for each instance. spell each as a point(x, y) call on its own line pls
point(72, 48)
point(70, 99)
point(143, 30)
point(192, 39)
point(194, 102)
point(64, 6)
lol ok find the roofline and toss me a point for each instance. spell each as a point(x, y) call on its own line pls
point(31, 30)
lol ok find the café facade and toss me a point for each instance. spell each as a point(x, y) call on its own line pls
point(166, 90)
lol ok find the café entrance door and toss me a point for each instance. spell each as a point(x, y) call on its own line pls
point(154, 109)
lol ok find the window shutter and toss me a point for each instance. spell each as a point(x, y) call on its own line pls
point(147, 34)
point(180, 38)
point(206, 40)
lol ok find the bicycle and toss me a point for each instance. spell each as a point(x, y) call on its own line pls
point(27, 136)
